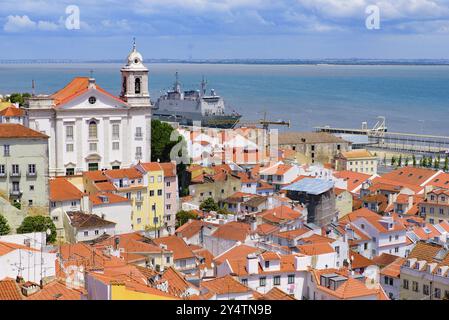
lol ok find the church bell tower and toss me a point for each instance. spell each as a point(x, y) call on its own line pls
point(135, 80)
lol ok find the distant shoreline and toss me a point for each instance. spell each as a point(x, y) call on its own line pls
point(350, 62)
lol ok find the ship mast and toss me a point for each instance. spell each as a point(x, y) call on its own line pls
point(203, 86)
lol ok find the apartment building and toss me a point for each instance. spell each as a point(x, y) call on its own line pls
point(24, 166)
point(425, 273)
point(360, 160)
point(435, 206)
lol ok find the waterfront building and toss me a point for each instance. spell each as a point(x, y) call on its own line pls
point(315, 146)
point(12, 114)
point(435, 206)
point(357, 160)
point(90, 128)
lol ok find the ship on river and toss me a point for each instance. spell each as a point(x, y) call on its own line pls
point(187, 107)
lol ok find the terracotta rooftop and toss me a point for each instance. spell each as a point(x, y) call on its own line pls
point(410, 175)
point(9, 290)
point(106, 198)
point(81, 220)
point(62, 190)
point(276, 294)
point(225, 285)
point(56, 290)
point(180, 249)
point(236, 231)
point(17, 131)
point(236, 252)
point(12, 111)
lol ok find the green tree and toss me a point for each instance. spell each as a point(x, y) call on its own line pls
point(18, 98)
point(161, 145)
point(183, 217)
point(209, 205)
point(446, 164)
point(4, 226)
point(38, 224)
point(407, 159)
point(423, 162)
point(414, 160)
point(385, 159)
point(400, 161)
point(436, 164)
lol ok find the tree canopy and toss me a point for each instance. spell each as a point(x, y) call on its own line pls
point(4, 226)
point(209, 205)
point(161, 145)
point(38, 224)
point(183, 216)
point(18, 98)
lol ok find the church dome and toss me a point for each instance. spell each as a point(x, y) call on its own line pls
point(135, 59)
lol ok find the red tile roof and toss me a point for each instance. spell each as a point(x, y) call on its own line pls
point(62, 190)
point(75, 88)
point(236, 252)
point(180, 249)
point(112, 198)
point(56, 290)
point(225, 285)
point(237, 231)
point(9, 290)
point(12, 130)
point(410, 175)
point(12, 111)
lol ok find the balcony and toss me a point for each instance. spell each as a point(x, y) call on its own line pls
point(31, 174)
point(3, 175)
point(138, 136)
point(15, 193)
point(14, 174)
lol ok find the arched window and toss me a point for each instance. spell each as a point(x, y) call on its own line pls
point(93, 130)
point(124, 85)
point(137, 85)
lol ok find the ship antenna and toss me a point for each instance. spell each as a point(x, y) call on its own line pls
point(203, 86)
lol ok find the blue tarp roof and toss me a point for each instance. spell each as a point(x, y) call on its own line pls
point(311, 186)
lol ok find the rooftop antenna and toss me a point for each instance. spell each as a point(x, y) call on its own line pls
point(91, 73)
point(203, 86)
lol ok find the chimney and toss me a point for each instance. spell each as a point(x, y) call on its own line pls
point(252, 264)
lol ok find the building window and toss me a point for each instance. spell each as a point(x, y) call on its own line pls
point(93, 134)
point(6, 150)
point(32, 169)
point(139, 220)
point(115, 131)
point(138, 132)
point(167, 259)
point(277, 280)
point(138, 152)
point(2, 170)
point(267, 264)
point(151, 193)
point(262, 281)
point(31, 187)
point(245, 282)
point(291, 278)
point(69, 133)
point(69, 147)
point(69, 171)
point(396, 250)
point(93, 166)
point(97, 232)
point(425, 289)
point(15, 169)
point(168, 195)
point(168, 207)
point(30, 203)
point(438, 293)
point(415, 286)
point(92, 100)
point(115, 145)
point(137, 85)
point(86, 233)
point(92, 147)
point(159, 192)
point(405, 284)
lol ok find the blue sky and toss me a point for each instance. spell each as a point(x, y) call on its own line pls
point(202, 29)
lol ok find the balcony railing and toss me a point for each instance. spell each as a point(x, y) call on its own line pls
point(2, 174)
point(31, 174)
point(15, 174)
point(15, 193)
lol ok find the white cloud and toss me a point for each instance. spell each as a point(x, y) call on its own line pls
point(47, 26)
point(18, 24)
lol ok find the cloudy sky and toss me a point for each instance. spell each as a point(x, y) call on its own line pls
point(200, 29)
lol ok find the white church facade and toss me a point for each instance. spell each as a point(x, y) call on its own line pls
point(91, 129)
